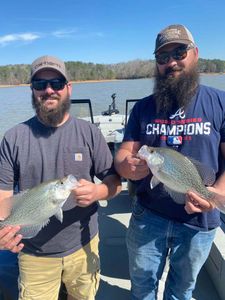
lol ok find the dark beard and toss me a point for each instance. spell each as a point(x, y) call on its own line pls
point(53, 117)
point(172, 93)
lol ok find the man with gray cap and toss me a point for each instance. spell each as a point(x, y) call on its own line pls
point(188, 117)
point(49, 146)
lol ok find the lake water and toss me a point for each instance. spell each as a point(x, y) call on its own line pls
point(15, 102)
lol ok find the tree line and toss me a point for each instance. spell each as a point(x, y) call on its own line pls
point(136, 69)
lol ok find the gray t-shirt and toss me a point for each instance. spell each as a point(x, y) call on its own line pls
point(31, 153)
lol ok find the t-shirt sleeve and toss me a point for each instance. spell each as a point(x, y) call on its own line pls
point(102, 157)
point(6, 165)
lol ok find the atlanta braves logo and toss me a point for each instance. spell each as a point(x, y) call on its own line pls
point(179, 113)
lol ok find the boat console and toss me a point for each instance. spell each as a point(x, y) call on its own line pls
point(112, 110)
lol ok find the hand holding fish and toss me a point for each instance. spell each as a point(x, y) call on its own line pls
point(179, 176)
point(33, 208)
point(137, 167)
point(10, 240)
point(196, 203)
point(86, 193)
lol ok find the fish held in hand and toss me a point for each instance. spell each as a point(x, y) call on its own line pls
point(33, 208)
point(178, 174)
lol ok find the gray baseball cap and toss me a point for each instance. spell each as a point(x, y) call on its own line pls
point(173, 34)
point(49, 63)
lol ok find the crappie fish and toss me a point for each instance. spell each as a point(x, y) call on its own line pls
point(178, 174)
point(33, 208)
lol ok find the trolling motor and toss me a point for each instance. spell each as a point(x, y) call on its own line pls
point(112, 110)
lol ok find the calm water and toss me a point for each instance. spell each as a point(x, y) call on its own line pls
point(16, 107)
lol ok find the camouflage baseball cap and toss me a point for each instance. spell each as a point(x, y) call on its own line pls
point(50, 63)
point(173, 34)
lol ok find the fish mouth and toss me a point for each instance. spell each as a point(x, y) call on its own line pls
point(71, 179)
point(70, 182)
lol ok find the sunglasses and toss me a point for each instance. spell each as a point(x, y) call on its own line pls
point(179, 53)
point(55, 84)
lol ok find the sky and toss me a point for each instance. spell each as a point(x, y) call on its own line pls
point(104, 31)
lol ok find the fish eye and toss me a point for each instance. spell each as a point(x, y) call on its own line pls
point(61, 182)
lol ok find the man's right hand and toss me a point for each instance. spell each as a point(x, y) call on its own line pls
point(128, 164)
point(10, 240)
point(137, 167)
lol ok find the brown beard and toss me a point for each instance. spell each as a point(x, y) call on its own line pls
point(51, 117)
point(172, 93)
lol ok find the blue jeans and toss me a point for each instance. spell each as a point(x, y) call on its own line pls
point(150, 239)
point(9, 273)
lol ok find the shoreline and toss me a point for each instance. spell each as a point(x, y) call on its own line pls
point(72, 81)
point(94, 81)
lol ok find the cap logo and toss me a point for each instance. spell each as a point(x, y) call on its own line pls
point(171, 34)
point(46, 63)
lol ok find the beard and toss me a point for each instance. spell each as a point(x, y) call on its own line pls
point(174, 92)
point(50, 117)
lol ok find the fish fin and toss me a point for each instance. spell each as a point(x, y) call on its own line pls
point(179, 198)
point(59, 215)
point(31, 231)
point(206, 173)
point(154, 182)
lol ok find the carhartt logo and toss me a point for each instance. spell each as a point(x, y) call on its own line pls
point(47, 63)
point(78, 157)
point(179, 113)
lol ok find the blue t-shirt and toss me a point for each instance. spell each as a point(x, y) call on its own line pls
point(195, 131)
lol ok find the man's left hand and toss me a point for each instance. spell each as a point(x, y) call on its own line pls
point(86, 193)
point(197, 204)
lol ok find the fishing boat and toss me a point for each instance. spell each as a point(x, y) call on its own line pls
point(110, 121)
point(114, 217)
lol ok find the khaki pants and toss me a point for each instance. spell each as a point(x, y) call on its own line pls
point(40, 277)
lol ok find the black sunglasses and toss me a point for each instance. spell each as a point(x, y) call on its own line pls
point(179, 53)
point(55, 84)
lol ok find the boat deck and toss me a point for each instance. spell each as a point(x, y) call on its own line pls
point(113, 221)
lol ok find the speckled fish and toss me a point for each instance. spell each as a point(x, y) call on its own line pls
point(33, 208)
point(178, 174)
